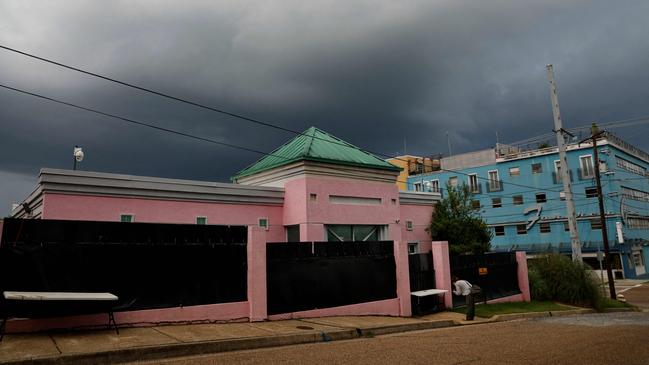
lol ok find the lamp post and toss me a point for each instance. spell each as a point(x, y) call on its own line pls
point(78, 156)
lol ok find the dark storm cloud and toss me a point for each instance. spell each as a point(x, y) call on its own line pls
point(370, 72)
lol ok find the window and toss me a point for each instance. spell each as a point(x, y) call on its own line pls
point(544, 227)
point(394, 201)
point(126, 218)
point(494, 181)
point(417, 186)
point(537, 168)
point(557, 172)
point(637, 259)
point(496, 202)
point(521, 229)
point(434, 186)
point(514, 171)
point(541, 198)
point(413, 248)
point(346, 233)
point(630, 166)
point(452, 181)
point(409, 225)
point(517, 199)
point(566, 227)
point(499, 230)
point(293, 233)
point(638, 222)
point(634, 194)
point(587, 169)
point(475, 204)
point(201, 220)
point(263, 222)
point(313, 197)
point(591, 192)
point(473, 183)
point(595, 224)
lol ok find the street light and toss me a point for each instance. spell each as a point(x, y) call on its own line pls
point(78, 156)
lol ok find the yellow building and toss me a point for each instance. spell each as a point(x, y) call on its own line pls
point(412, 165)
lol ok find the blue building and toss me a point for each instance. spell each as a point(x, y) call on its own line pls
point(520, 195)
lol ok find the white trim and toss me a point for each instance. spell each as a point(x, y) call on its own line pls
point(201, 216)
point(127, 214)
point(477, 186)
point(431, 186)
point(267, 222)
point(497, 181)
point(592, 162)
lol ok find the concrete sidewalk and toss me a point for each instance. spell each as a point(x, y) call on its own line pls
point(161, 342)
point(151, 343)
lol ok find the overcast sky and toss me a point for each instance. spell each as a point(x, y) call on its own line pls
point(371, 72)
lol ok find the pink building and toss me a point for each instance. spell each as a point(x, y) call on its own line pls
point(315, 187)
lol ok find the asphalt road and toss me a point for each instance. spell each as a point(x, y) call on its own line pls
point(614, 338)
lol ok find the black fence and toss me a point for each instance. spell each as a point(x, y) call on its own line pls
point(304, 275)
point(495, 273)
point(145, 265)
point(422, 273)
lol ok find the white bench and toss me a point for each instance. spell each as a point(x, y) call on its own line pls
point(59, 296)
point(428, 292)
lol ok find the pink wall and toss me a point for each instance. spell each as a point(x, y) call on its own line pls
point(523, 278)
point(442, 264)
point(104, 208)
point(196, 313)
point(420, 216)
point(257, 293)
point(388, 307)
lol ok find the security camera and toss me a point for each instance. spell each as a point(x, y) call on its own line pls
point(78, 154)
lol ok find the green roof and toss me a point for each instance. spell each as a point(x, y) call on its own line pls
point(316, 145)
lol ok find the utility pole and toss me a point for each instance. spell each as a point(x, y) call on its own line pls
point(448, 140)
point(602, 214)
point(565, 173)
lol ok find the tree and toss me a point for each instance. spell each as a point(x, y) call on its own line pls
point(456, 221)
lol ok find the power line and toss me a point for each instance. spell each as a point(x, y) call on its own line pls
point(133, 121)
point(213, 109)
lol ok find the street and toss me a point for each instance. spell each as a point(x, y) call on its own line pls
point(613, 338)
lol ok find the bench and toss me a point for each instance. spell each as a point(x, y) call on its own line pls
point(18, 296)
point(425, 293)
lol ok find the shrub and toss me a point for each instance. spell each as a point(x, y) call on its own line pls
point(556, 277)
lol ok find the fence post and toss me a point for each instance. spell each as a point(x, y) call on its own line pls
point(442, 264)
point(257, 291)
point(523, 279)
point(403, 272)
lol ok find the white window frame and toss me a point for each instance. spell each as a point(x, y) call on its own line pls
point(494, 184)
point(127, 214)
point(267, 222)
point(473, 188)
point(415, 246)
point(418, 186)
point(592, 165)
point(434, 186)
point(201, 216)
point(409, 225)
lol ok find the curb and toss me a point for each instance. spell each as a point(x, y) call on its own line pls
point(384, 330)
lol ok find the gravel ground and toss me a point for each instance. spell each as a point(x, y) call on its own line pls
point(614, 338)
